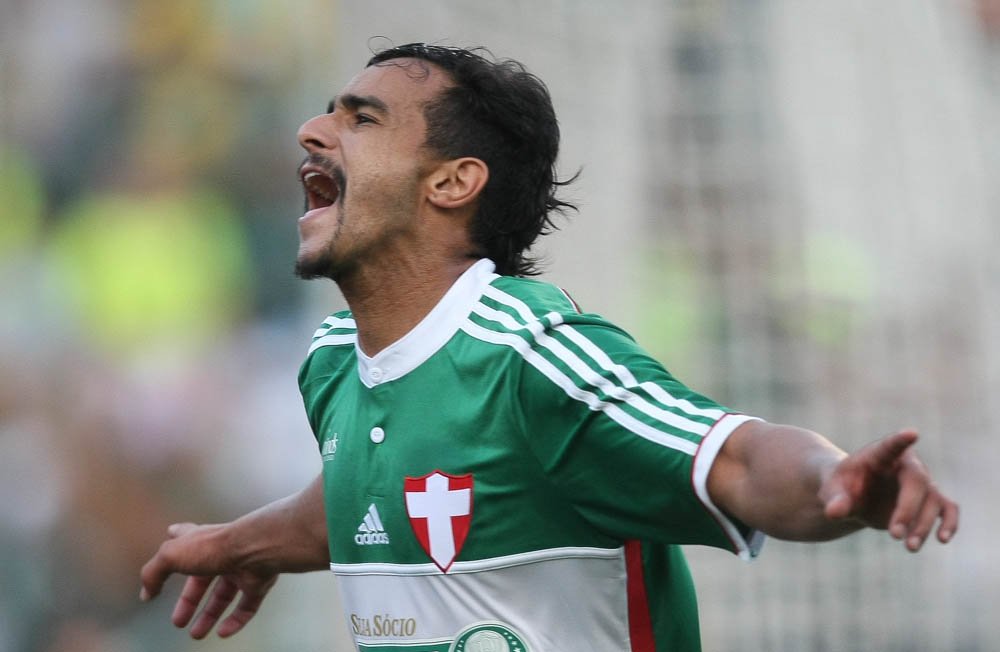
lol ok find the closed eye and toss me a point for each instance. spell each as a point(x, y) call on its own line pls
point(359, 117)
point(360, 106)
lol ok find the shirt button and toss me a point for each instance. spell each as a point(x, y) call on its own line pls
point(377, 435)
point(376, 374)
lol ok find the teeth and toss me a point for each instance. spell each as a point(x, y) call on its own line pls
point(321, 185)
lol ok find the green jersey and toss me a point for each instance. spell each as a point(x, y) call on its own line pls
point(513, 475)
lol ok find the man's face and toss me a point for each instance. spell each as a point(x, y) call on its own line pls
point(363, 172)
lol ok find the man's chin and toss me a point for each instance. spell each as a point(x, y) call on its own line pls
point(309, 269)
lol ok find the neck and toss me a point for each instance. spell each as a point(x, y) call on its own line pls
point(388, 303)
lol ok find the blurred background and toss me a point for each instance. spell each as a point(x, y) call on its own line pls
point(793, 204)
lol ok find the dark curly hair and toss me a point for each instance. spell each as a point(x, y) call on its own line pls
point(500, 113)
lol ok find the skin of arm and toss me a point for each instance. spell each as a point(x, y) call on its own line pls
point(243, 558)
point(794, 484)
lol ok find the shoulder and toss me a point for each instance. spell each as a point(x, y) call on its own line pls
point(537, 310)
point(332, 344)
point(539, 297)
point(540, 324)
point(339, 329)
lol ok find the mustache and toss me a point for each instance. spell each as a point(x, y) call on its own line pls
point(327, 166)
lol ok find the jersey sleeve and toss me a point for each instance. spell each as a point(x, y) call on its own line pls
point(627, 444)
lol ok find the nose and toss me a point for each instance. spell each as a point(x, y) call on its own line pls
point(317, 133)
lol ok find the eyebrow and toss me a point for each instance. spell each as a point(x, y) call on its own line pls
point(354, 102)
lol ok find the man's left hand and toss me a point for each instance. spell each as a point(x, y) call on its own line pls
point(885, 485)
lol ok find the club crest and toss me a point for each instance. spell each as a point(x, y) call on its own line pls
point(440, 509)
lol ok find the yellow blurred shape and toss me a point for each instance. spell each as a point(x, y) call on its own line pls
point(156, 272)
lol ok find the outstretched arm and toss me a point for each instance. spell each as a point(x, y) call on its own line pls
point(243, 558)
point(794, 484)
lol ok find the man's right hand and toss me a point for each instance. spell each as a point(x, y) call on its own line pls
point(242, 559)
point(200, 552)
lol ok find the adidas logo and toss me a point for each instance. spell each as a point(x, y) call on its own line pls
point(371, 532)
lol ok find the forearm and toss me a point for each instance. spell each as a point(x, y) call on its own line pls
point(773, 478)
point(286, 536)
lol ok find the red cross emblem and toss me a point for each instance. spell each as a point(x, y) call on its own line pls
point(440, 509)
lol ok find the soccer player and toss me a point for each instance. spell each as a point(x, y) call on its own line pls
point(500, 470)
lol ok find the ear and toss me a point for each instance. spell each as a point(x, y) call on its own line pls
point(458, 182)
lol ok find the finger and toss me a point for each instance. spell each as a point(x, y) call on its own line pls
point(191, 595)
point(887, 452)
point(220, 599)
point(949, 522)
point(245, 610)
point(152, 580)
point(924, 522)
point(913, 489)
point(155, 572)
point(154, 575)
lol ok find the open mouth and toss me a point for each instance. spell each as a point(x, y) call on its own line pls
point(322, 189)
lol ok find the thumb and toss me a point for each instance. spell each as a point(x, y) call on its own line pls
point(837, 502)
point(834, 491)
point(838, 505)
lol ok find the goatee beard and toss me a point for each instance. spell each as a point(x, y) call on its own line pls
point(308, 270)
point(321, 266)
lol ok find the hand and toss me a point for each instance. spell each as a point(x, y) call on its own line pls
point(201, 552)
point(885, 485)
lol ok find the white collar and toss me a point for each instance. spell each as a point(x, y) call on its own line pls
point(433, 332)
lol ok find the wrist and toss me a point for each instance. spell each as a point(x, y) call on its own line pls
point(246, 544)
